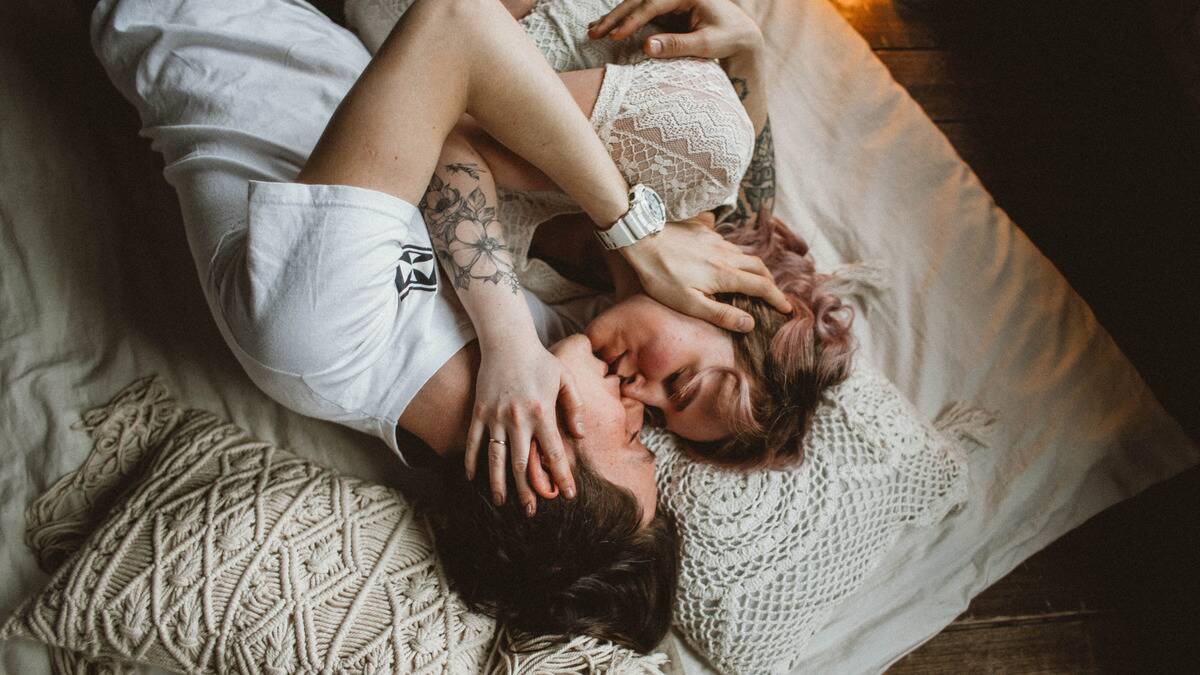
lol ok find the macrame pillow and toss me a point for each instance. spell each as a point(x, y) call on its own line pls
point(767, 554)
point(234, 556)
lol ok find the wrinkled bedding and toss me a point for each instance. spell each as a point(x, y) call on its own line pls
point(97, 288)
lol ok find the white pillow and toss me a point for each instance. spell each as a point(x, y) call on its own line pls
point(767, 554)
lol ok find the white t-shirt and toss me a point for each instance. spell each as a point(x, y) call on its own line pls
point(329, 296)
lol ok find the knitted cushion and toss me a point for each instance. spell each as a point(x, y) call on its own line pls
point(767, 554)
point(232, 555)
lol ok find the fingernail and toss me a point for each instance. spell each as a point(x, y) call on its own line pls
point(745, 323)
point(529, 509)
point(569, 491)
point(579, 428)
point(655, 47)
point(498, 500)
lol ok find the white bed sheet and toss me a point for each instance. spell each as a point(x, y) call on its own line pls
point(97, 287)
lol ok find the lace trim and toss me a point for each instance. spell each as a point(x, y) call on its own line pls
point(617, 80)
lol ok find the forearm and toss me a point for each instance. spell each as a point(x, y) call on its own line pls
point(756, 192)
point(443, 59)
point(459, 208)
point(509, 169)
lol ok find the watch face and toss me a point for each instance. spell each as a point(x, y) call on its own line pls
point(654, 203)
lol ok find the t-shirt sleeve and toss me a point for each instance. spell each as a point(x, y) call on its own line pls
point(325, 271)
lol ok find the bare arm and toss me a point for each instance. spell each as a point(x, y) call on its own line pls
point(509, 169)
point(756, 192)
point(519, 382)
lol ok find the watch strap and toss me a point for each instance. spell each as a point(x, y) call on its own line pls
point(642, 220)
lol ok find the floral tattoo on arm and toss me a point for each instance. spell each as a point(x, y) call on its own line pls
point(756, 194)
point(466, 235)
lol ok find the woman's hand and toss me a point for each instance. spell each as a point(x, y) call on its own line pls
point(717, 29)
point(688, 262)
point(517, 393)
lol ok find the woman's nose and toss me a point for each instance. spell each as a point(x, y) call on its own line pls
point(638, 388)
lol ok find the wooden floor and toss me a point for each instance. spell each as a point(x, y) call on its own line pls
point(1082, 119)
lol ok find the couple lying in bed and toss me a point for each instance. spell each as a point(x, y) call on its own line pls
point(325, 285)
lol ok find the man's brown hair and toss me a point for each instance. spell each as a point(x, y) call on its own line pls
point(578, 567)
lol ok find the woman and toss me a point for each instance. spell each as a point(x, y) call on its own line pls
point(745, 396)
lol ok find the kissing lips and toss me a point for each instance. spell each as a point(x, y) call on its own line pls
point(621, 366)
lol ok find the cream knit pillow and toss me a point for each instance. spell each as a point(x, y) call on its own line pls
point(232, 555)
point(767, 554)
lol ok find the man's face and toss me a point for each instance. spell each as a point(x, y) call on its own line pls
point(612, 423)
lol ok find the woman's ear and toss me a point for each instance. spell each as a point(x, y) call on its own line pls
point(539, 477)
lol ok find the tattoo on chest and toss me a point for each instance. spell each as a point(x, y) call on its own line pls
point(465, 232)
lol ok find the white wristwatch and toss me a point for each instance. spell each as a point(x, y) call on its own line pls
point(646, 216)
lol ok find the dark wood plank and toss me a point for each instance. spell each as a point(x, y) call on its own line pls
point(1091, 144)
point(1180, 28)
point(967, 141)
point(939, 83)
point(975, 143)
point(1082, 644)
point(1059, 581)
point(883, 26)
point(1126, 577)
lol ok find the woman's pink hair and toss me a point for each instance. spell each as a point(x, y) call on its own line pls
point(787, 361)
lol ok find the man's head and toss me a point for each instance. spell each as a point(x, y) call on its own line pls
point(602, 564)
point(587, 566)
point(611, 443)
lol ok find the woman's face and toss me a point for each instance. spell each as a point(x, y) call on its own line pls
point(612, 423)
point(655, 351)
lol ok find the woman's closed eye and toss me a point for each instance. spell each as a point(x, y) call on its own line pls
point(681, 388)
point(670, 383)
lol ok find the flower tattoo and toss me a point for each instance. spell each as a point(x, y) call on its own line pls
point(465, 232)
